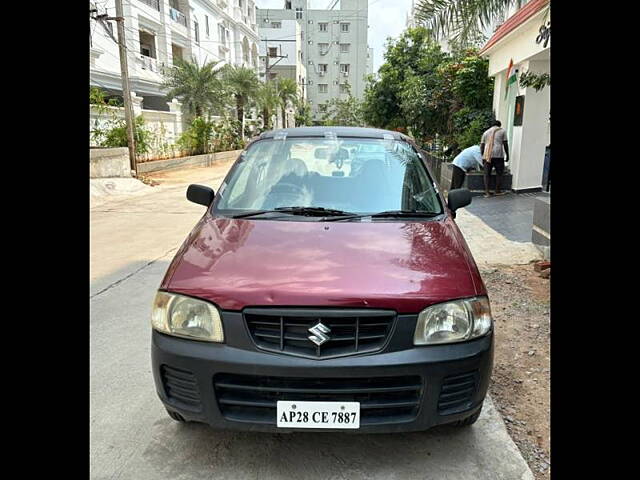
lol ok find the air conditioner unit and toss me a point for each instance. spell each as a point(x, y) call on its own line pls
point(310, 82)
point(321, 74)
point(346, 74)
point(310, 42)
point(336, 22)
point(310, 62)
point(310, 21)
point(336, 62)
point(337, 43)
point(335, 82)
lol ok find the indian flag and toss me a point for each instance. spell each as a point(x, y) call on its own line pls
point(511, 77)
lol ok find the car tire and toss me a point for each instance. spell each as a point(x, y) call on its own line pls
point(176, 416)
point(465, 422)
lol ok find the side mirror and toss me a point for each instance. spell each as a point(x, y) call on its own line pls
point(200, 194)
point(458, 198)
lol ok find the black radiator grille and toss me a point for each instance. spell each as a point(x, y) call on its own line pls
point(457, 392)
point(181, 388)
point(349, 331)
point(383, 400)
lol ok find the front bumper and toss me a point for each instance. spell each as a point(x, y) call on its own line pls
point(192, 367)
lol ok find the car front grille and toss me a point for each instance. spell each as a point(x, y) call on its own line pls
point(383, 400)
point(181, 388)
point(347, 332)
point(456, 393)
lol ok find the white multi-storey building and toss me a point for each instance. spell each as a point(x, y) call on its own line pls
point(281, 42)
point(335, 46)
point(159, 31)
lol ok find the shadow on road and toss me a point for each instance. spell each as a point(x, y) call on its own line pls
point(195, 449)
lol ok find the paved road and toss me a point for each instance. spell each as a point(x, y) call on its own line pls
point(133, 240)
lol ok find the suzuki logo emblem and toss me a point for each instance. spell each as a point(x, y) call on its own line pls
point(319, 330)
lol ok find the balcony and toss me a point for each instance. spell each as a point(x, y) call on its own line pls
point(151, 64)
point(177, 16)
point(155, 4)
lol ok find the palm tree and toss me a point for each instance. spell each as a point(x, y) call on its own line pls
point(287, 92)
point(199, 88)
point(243, 83)
point(268, 101)
point(461, 20)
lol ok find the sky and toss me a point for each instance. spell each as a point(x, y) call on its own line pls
point(386, 19)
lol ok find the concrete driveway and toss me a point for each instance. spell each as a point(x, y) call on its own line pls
point(132, 242)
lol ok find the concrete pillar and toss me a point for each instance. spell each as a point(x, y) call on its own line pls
point(136, 103)
point(175, 107)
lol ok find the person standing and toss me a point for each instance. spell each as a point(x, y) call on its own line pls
point(495, 152)
point(465, 161)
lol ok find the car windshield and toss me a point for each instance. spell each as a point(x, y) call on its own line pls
point(357, 176)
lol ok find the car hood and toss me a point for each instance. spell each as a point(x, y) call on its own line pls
point(404, 266)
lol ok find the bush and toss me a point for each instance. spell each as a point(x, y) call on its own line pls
point(228, 135)
point(197, 138)
point(116, 135)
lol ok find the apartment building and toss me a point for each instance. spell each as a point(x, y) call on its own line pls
point(335, 50)
point(281, 44)
point(159, 31)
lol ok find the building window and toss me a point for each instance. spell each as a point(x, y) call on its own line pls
point(287, 5)
point(344, 27)
point(322, 67)
point(323, 88)
point(344, 88)
point(196, 31)
point(273, 51)
point(206, 24)
point(323, 48)
point(344, 68)
point(147, 44)
point(276, 24)
point(344, 47)
point(298, 13)
point(324, 27)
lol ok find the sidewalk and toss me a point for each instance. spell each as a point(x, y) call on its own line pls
point(498, 229)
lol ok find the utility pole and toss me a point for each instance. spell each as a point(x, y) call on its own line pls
point(126, 91)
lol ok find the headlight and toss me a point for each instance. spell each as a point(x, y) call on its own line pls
point(455, 321)
point(186, 317)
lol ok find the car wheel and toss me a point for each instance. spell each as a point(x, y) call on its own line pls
point(465, 422)
point(176, 416)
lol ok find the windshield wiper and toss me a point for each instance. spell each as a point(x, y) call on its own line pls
point(307, 211)
point(313, 211)
point(390, 214)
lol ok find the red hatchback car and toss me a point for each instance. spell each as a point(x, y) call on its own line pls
point(326, 286)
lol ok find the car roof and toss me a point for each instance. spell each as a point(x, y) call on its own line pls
point(357, 132)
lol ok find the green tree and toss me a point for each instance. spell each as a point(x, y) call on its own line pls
point(461, 20)
point(243, 83)
point(199, 88)
point(287, 93)
point(343, 111)
point(414, 53)
point(303, 115)
point(268, 101)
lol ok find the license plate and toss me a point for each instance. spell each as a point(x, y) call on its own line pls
point(318, 414)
